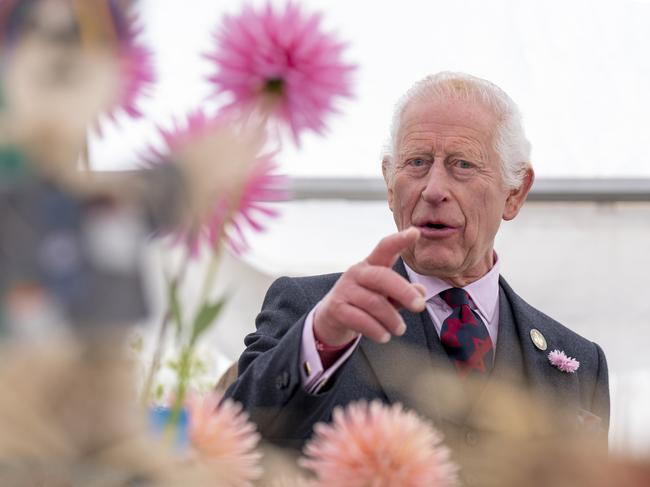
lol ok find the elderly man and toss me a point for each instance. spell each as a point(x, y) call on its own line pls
point(428, 298)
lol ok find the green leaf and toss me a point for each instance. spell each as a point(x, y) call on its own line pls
point(205, 318)
point(175, 307)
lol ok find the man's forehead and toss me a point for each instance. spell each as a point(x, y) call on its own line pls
point(467, 110)
point(447, 116)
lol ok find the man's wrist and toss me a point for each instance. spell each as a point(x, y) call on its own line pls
point(327, 342)
point(323, 346)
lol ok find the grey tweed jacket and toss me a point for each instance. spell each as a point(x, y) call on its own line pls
point(269, 379)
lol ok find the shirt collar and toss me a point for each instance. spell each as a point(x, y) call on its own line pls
point(484, 292)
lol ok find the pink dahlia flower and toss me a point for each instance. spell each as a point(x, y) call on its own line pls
point(135, 63)
point(378, 445)
point(244, 191)
point(136, 71)
point(225, 440)
point(560, 360)
point(282, 63)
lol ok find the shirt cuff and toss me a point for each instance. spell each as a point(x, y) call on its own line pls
point(314, 375)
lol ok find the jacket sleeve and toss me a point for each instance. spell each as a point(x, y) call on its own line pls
point(269, 382)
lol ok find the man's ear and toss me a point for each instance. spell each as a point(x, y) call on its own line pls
point(517, 196)
point(385, 170)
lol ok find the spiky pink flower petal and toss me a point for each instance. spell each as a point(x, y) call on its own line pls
point(280, 62)
point(378, 445)
point(563, 362)
point(243, 207)
point(135, 64)
point(223, 438)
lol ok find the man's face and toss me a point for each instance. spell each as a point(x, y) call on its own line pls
point(446, 180)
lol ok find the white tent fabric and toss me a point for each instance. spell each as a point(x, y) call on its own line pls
point(579, 70)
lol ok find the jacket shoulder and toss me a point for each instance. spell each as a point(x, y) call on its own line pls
point(538, 319)
point(312, 287)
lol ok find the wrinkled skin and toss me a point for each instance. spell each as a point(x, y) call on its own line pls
point(446, 172)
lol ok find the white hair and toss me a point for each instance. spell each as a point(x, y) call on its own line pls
point(510, 143)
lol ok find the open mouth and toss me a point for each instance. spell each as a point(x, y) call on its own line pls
point(436, 229)
point(436, 226)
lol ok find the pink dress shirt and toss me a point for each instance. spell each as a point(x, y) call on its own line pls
point(484, 292)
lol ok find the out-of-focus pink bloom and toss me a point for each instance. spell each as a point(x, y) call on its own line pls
point(243, 204)
point(560, 360)
point(262, 185)
point(379, 445)
point(223, 438)
point(282, 63)
point(286, 481)
point(135, 63)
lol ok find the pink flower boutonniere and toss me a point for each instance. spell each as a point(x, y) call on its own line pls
point(560, 360)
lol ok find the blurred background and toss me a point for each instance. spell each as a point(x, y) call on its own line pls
point(579, 71)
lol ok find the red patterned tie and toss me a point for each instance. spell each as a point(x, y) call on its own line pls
point(465, 336)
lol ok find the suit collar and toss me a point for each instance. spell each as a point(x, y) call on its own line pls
point(484, 291)
point(398, 363)
point(539, 373)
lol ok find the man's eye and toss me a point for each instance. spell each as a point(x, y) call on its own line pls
point(417, 162)
point(464, 164)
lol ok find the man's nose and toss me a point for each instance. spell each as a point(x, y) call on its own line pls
point(436, 189)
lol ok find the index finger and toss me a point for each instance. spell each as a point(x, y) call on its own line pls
point(390, 247)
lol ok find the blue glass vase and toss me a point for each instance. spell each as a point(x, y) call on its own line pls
point(159, 418)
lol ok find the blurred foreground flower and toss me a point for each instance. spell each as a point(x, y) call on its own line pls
point(283, 62)
point(111, 23)
point(288, 481)
point(224, 440)
point(379, 445)
point(73, 421)
point(230, 178)
point(135, 65)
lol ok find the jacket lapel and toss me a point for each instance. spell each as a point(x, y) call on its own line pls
point(398, 363)
point(508, 361)
point(508, 358)
point(539, 373)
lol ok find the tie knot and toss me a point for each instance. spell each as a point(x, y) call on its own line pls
point(456, 297)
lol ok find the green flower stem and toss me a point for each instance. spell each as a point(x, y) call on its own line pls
point(210, 274)
point(184, 369)
point(162, 333)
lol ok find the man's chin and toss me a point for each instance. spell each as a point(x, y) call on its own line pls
point(437, 265)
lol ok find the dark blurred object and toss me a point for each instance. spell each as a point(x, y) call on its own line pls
point(78, 255)
point(70, 242)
